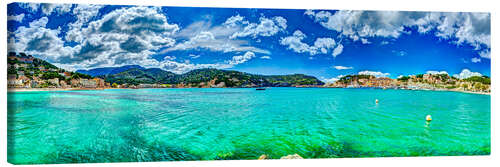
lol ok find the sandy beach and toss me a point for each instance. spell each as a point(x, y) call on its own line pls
point(48, 89)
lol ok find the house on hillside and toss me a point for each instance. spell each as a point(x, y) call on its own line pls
point(74, 82)
point(99, 82)
point(86, 83)
point(12, 80)
point(54, 81)
point(25, 82)
point(20, 73)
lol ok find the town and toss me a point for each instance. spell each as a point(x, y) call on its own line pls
point(26, 71)
point(429, 81)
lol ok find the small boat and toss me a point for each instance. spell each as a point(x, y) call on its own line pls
point(260, 89)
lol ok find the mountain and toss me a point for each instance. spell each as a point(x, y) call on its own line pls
point(108, 70)
point(141, 75)
point(208, 76)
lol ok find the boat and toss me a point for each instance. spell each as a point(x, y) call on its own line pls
point(260, 89)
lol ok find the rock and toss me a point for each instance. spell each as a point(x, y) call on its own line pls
point(263, 157)
point(294, 156)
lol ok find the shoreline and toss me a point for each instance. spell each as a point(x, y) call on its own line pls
point(13, 90)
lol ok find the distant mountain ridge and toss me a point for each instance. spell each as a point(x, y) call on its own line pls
point(108, 70)
point(201, 77)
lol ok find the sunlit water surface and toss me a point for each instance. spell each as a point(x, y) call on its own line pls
point(206, 124)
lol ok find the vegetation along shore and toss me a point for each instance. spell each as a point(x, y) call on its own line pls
point(27, 73)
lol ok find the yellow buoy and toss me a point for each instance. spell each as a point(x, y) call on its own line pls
point(428, 118)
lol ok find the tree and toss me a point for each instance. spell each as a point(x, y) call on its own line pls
point(477, 86)
point(404, 78)
point(464, 86)
point(12, 70)
point(114, 85)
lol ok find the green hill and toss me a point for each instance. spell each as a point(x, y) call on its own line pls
point(203, 76)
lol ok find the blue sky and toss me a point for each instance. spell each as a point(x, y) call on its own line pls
point(324, 43)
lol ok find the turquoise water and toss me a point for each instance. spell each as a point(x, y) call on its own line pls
point(206, 124)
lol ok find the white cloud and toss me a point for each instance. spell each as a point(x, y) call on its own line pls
point(215, 38)
point(374, 73)
point(321, 45)
point(241, 59)
point(342, 67)
point(179, 68)
point(475, 60)
point(437, 72)
point(194, 56)
point(31, 7)
point(365, 41)
point(466, 73)
point(60, 9)
point(121, 37)
point(18, 18)
point(38, 40)
point(399, 53)
point(83, 15)
point(471, 28)
point(207, 40)
point(338, 50)
point(485, 54)
point(234, 21)
point(331, 80)
point(384, 42)
point(266, 27)
point(265, 57)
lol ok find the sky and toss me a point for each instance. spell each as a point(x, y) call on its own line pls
point(327, 44)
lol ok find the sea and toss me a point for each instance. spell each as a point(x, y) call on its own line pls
point(137, 125)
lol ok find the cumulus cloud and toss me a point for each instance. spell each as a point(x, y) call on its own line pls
point(338, 50)
point(202, 35)
point(485, 54)
point(208, 40)
point(470, 28)
point(466, 73)
point(374, 73)
point(342, 67)
point(84, 13)
point(437, 72)
point(475, 60)
point(17, 18)
point(180, 68)
point(38, 40)
point(266, 27)
point(129, 35)
point(321, 45)
point(31, 7)
point(241, 59)
point(234, 21)
point(48, 8)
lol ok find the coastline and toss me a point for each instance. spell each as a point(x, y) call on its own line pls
point(13, 90)
point(48, 89)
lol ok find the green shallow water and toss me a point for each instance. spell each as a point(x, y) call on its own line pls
point(207, 124)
